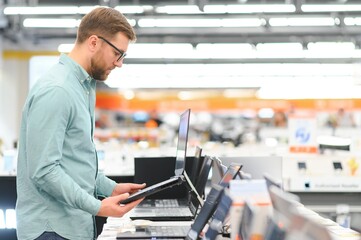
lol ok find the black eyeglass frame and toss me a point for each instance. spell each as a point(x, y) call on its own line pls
point(122, 53)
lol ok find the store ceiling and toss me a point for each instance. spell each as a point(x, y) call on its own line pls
point(17, 36)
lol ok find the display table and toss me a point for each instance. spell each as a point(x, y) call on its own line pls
point(113, 225)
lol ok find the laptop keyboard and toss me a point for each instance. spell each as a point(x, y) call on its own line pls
point(168, 231)
point(166, 203)
point(182, 212)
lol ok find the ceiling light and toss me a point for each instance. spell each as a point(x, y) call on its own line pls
point(237, 50)
point(331, 7)
point(134, 9)
point(56, 22)
point(40, 10)
point(302, 21)
point(331, 50)
point(249, 8)
point(331, 46)
point(277, 47)
point(356, 21)
point(179, 9)
point(160, 50)
point(226, 50)
point(69, 10)
point(51, 23)
point(200, 22)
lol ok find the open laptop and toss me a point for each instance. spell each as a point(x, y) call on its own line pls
point(174, 209)
point(180, 174)
point(178, 231)
point(216, 224)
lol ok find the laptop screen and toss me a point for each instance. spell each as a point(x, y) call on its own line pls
point(216, 225)
point(196, 165)
point(182, 142)
point(206, 212)
point(230, 174)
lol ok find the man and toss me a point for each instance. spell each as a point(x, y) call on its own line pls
point(58, 180)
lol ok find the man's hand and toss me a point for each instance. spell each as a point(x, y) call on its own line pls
point(110, 206)
point(130, 188)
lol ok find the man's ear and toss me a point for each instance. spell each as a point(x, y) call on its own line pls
point(93, 43)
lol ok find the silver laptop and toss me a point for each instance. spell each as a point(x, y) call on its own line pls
point(177, 231)
point(179, 172)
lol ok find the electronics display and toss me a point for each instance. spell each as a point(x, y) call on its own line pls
point(179, 166)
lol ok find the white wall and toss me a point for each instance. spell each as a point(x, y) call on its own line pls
point(13, 90)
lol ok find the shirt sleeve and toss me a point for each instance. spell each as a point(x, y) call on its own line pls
point(105, 185)
point(49, 113)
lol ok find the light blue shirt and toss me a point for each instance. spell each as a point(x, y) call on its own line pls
point(58, 178)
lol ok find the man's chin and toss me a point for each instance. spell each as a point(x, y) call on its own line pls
point(102, 78)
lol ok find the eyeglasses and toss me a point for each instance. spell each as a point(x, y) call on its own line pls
point(122, 54)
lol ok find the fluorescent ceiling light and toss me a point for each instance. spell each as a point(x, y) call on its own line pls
point(160, 50)
point(69, 10)
point(331, 46)
point(179, 9)
point(57, 22)
point(40, 10)
point(279, 47)
point(134, 9)
point(331, 7)
point(302, 21)
point(249, 8)
point(356, 21)
point(51, 23)
point(85, 9)
point(237, 50)
point(200, 22)
point(219, 50)
point(331, 49)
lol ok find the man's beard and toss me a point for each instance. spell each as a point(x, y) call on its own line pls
point(97, 71)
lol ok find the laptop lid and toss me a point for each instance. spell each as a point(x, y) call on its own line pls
point(152, 170)
point(271, 181)
point(206, 212)
point(179, 165)
point(181, 152)
point(248, 215)
point(230, 174)
point(196, 165)
point(200, 184)
point(282, 203)
point(216, 224)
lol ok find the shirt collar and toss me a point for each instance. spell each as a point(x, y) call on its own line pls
point(79, 71)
